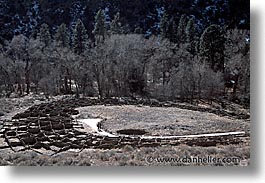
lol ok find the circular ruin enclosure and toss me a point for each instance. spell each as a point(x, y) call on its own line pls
point(132, 132)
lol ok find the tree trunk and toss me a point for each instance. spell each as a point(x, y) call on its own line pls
point(27, 75)
point(27, 82)
point(100, 93)
point(235, 86)
point(66, 90)
point(77, 90)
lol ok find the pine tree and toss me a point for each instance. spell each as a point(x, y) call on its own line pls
point(138, 30)
point(100, 28)
point(62, 36)
point(115, 25)
point(212, 45)
point(191, 36)
point(164, 26)
point(44, 35)
point(34, 33)
point(126, 29)
point(173, 32)
point(181, 34)
point(80, 37)
point(1, 41)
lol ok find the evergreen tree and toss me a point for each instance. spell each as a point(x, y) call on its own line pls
point(173, 32)
point(126, 29)
point(164, 26)
point(34, 33)
point(100, 28)
point(212, 45)
point(1, 41)
point(138, 30)
point(62, 36)
point(115, 25)
point(44, 34)
point(191, 36)
point(181, 32)
point(80, 37)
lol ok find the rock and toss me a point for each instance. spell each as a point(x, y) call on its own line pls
point(46, 128)
point(64, 114)
point(34, 130)
point(15, 143)
point(37, 145)
point(59, 144)
point(19, 115)
point(44, 123)
point(46, 146)
point(11, 133)
point(61, 132)
point(68, 125)
point(2, 113)
point(43, 139)
point(54, 113)
point(66, 140)
point(74, 112)
point(132, 132)
point(58, 126)
point(29, 140)
point(22, 128)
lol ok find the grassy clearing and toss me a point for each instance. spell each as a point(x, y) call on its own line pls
point(163, 121)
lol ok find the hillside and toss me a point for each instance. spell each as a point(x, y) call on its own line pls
point(24, 16)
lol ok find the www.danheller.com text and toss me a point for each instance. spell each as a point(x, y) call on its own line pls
point(192, 160)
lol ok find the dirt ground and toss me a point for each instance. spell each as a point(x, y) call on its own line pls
point(154, 120)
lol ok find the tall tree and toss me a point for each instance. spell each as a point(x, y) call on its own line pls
point(1, 40)
point(237, 70)
point(62, 36)
point(44, 35)
point(100, 28)
point(164, 26)
point(181, 33)
point(19, 47)
point(115, 25)
point(80, 37)
point(191, 36)
point(173, 32)
point(212, 46)
point(138, 30)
